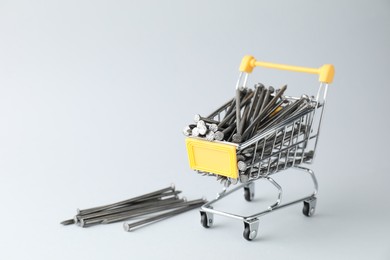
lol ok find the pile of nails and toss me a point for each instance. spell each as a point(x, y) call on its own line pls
point(147, 208)
point(249, 113)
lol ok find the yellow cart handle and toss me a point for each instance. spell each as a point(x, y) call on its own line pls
point(326, 72)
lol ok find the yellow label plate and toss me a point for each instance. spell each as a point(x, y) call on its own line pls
point(218, 158)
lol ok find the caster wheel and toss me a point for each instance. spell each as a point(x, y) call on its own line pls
point(309, 207)
point(205, 220)
point(248, 195)
point(249, 233)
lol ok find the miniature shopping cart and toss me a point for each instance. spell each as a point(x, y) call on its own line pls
point(290, 144)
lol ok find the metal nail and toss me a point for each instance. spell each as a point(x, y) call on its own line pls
point(122, 217)
point(198, 118)
point(195, 132)
point(218, 136)
point(213, 127)
point(233, 114)
point(210, 136)
point(237, 138)
point(187, 131)
point(68, 222)
point(202, 129)
point(258, 88)
point(263, 111)
point(114, 217)
point(259, 102)
point(139, 198)
point(130, 227)
point(146, 204)
point(241, 165)
point(243, 120)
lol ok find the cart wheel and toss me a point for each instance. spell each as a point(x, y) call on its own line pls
point(309, 207)
point(247, 194)
point(250, 230)
point(206, 220)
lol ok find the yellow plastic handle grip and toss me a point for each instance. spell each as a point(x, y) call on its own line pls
point(326, 72)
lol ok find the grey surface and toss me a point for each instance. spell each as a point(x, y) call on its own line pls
point(94, 94)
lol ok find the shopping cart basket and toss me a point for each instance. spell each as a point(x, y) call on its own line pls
point(288, 144)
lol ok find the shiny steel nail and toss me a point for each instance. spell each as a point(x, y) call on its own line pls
point(130, 227)
point(96, 209)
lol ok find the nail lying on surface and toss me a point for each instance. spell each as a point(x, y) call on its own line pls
point(131, 226)
point(152, 203)
point(145, 204)
point(139, 213)
point(96, 209)
point(120, 216)
point(68, 222)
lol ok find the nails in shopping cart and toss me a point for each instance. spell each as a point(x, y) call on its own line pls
point(218, 136)
point(198, 118)
point(272, 111)
point(230, 138)
point(238, 107)
point(131, 226)
point(241, 165)
point(231, 108)
point(132, 200)
point(202, 128)
point(195, 132)
point(229, 129)
point(241, 103)
point(275, 98)
point(287, 111)
point(237, 138)
point(259, 102)
point(251, 128)
point(213, 127)
point(266, 99)
point(243, 120)
point(227, 118)
point(233, 114)
point(210, 136)
point(258, 88)
point(263, 100)
point(187, 131)
point(271, 91)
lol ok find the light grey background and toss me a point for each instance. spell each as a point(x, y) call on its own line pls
point(94, 94)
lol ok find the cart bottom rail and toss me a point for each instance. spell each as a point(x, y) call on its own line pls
point(251, 222)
